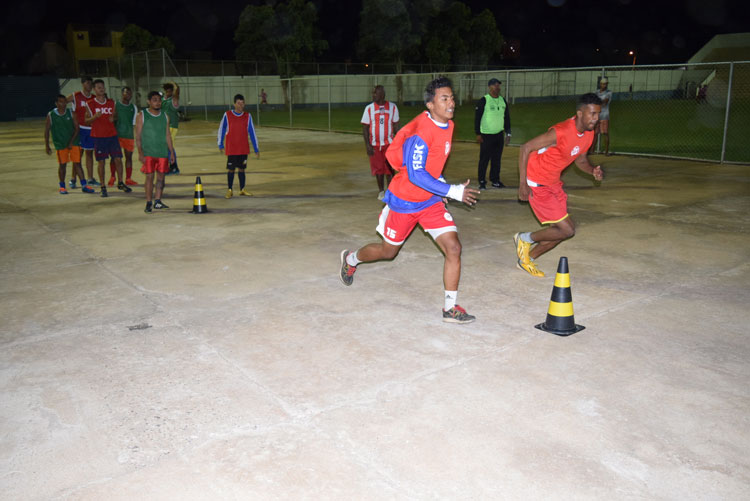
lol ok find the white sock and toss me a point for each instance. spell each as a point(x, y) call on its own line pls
point(450, 299)
point(352, 260)
point(526, 237)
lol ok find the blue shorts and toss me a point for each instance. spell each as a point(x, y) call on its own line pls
point(87, 142)
point(107, 147)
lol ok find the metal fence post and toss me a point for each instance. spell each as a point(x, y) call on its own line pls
point(187, 78)
point(148, 71)
point(289, 87)
point(726, 115)
point(329, 104)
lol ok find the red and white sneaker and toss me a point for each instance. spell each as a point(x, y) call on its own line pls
point(457, 315)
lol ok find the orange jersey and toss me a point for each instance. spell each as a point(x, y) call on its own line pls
point(546, 164)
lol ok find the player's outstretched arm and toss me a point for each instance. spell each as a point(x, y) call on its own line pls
point(543, 141)
point(138, 132)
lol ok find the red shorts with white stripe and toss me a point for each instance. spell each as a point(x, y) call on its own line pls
point(378, 163)
point(396, 226)
point(549, 203)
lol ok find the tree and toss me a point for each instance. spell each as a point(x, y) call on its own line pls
point(286, 30)
point(446, 37)
point(387, 32)
point(484, 39)
point(137, 39)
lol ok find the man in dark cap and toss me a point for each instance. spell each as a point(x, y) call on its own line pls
point(491, 120)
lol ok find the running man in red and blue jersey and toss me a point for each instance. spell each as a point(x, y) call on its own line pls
point(540, 163)
point(236, 126)
point(416, 196)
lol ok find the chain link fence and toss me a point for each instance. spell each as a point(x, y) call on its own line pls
point(690, 111)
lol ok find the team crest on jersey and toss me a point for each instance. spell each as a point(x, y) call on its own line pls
point(447, 147)
point(447, 216)
point(575, 151)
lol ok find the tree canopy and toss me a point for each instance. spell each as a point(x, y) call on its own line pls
point(137, 39)
point(284, 30)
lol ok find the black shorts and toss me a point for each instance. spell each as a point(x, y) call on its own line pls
point(236, 162)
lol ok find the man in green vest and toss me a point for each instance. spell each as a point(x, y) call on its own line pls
point(491, 120)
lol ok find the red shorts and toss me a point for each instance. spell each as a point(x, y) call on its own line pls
point(72, 154)
point(549, 203)
point(396, 226)
point(378, 163)
point(126, 144)
point(153, 164)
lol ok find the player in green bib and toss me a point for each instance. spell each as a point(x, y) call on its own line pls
point(170, 105)
point(155, 150)
point(124, 123)
point(63, 126)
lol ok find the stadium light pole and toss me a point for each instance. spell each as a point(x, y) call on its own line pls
point(632, 86)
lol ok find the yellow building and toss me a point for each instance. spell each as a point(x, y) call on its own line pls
point(91, 45)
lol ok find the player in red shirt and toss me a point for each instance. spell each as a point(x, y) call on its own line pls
point(235, 128)
point(100, 115)
point(379, 123)
point(540, 163)
point(78, 100)
point(416, 193)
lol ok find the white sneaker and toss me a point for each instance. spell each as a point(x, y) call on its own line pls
point(381, 195)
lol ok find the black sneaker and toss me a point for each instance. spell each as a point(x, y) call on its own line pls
point(158, 204)
point(457, 315)
point(104, 193)
point(498, 185)
point(124, 187)
point(482, 185)
point(147, 210)
point(346, 272)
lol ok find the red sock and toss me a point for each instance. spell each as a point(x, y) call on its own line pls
point(128, 172)
point(112, 169)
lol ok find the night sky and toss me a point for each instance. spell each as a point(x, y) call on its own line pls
point(551, 32)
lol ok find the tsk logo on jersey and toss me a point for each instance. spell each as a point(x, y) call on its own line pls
point(447, 147)
point(575, 151)
point(417, 157)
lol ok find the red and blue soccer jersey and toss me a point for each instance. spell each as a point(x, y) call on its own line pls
point(102, 126)
point(234, 131)
point(79, 108)
point(546, 164)
point(418, 152)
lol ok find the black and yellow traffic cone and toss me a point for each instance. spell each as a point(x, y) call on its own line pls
point(199, 200)
point(560, 314)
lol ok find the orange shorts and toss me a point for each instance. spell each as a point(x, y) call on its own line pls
point(127, 144)
point(72, 154)
point(153, 164)
point(549, 203)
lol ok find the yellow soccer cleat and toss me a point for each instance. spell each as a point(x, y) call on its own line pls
point(530, 268)
point(229, 193)
point(522, 248)
point(245, 193)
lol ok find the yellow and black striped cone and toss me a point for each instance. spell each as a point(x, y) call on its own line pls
point(199, 200)
point(560, 314)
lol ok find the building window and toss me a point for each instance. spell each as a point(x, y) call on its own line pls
point(100, 38)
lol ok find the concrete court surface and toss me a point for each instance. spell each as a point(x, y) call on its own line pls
point(218, 356)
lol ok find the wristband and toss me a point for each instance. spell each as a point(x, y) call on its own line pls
point(456, 192)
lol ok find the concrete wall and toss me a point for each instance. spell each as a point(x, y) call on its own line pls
point(214, 92)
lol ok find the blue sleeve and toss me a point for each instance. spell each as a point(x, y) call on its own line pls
point(251, 132)
point(223, 131)
point(415, 157)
